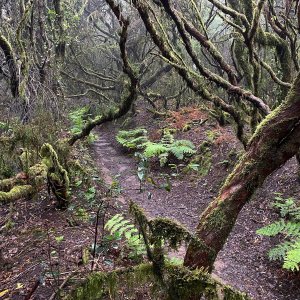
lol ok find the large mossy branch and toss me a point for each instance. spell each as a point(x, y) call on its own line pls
point(180, 283)
point(212, 49)
point(88, 83)
point(237, 16)
point(276, 140)
point(130, 98)
point(255, 20)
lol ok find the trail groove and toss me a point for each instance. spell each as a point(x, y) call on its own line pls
point(242, 263)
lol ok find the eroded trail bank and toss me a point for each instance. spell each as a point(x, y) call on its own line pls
point(243, 262)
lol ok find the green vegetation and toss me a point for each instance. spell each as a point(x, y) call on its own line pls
point(132, 139)
point(170, 281)
point(163, 150)
point(119, 227)
point(288, 227)
point(197, 89)
point(80, 118)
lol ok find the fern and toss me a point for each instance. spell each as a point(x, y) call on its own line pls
point(121, 227)
point(279, 251)
point(132, 139)
point(289, 227)
point(287, 207)
point(182, 148)
point(272, 229)
point(137, 139)
point(168, 146)
point(154, 149)
point(79, 119)
point(292, 258)
point(168, 138)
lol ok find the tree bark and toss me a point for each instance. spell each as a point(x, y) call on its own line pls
point(12, 65)
point(276, 140)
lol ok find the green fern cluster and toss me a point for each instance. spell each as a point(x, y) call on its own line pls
point(132, 139)
point(121, 227)
point(165, 148)
point(79, 118)
point(289, 228)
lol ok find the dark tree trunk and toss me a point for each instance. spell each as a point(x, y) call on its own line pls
point(276, 140)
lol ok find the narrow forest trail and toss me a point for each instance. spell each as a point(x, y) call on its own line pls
point(242, 263)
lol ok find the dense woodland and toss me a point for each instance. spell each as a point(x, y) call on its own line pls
point(149, 149)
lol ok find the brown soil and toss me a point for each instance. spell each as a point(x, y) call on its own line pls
point(243, 263)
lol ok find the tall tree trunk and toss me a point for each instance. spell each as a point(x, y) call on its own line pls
point(276, 140)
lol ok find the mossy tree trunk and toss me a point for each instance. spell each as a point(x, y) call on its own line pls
point(276, 140)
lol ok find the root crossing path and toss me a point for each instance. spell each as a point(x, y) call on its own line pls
point(243, 262)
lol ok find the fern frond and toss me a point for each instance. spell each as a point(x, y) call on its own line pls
point(185, 143)
point(116, 219)
point(287, 206)
point(292, 229)
point(279, 251)
point(292, 258)
point(180, 151)
point(167, 138)
point(163, 159)
point(154, 149)
point(272, 229)
point(132, 139)
point(120, 226)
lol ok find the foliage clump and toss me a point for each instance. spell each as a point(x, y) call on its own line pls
point(79, 119)
point(119, 227)
point(288, 227)
point(164, 149)
point(57, 176)
point(132, 139)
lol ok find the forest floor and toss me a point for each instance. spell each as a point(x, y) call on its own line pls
point(43, 238)
point(243, 262)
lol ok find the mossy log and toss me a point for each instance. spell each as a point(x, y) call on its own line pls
point(17, 192)
point(26, 184)
point(23, 185)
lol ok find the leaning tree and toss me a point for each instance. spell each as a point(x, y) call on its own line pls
point(262, 42)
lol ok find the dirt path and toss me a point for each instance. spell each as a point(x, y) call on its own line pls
point(243, 262)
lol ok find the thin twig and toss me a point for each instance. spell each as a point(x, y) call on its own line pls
point(96, 234)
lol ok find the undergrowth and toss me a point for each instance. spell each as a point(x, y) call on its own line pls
point(164, 149)
point(288, 229)
point(120, 227)
point(79, 118)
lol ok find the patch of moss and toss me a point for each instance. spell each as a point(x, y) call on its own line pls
point(203, 159)
point(178, 283)
point(17, 192)
point(58, 177)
